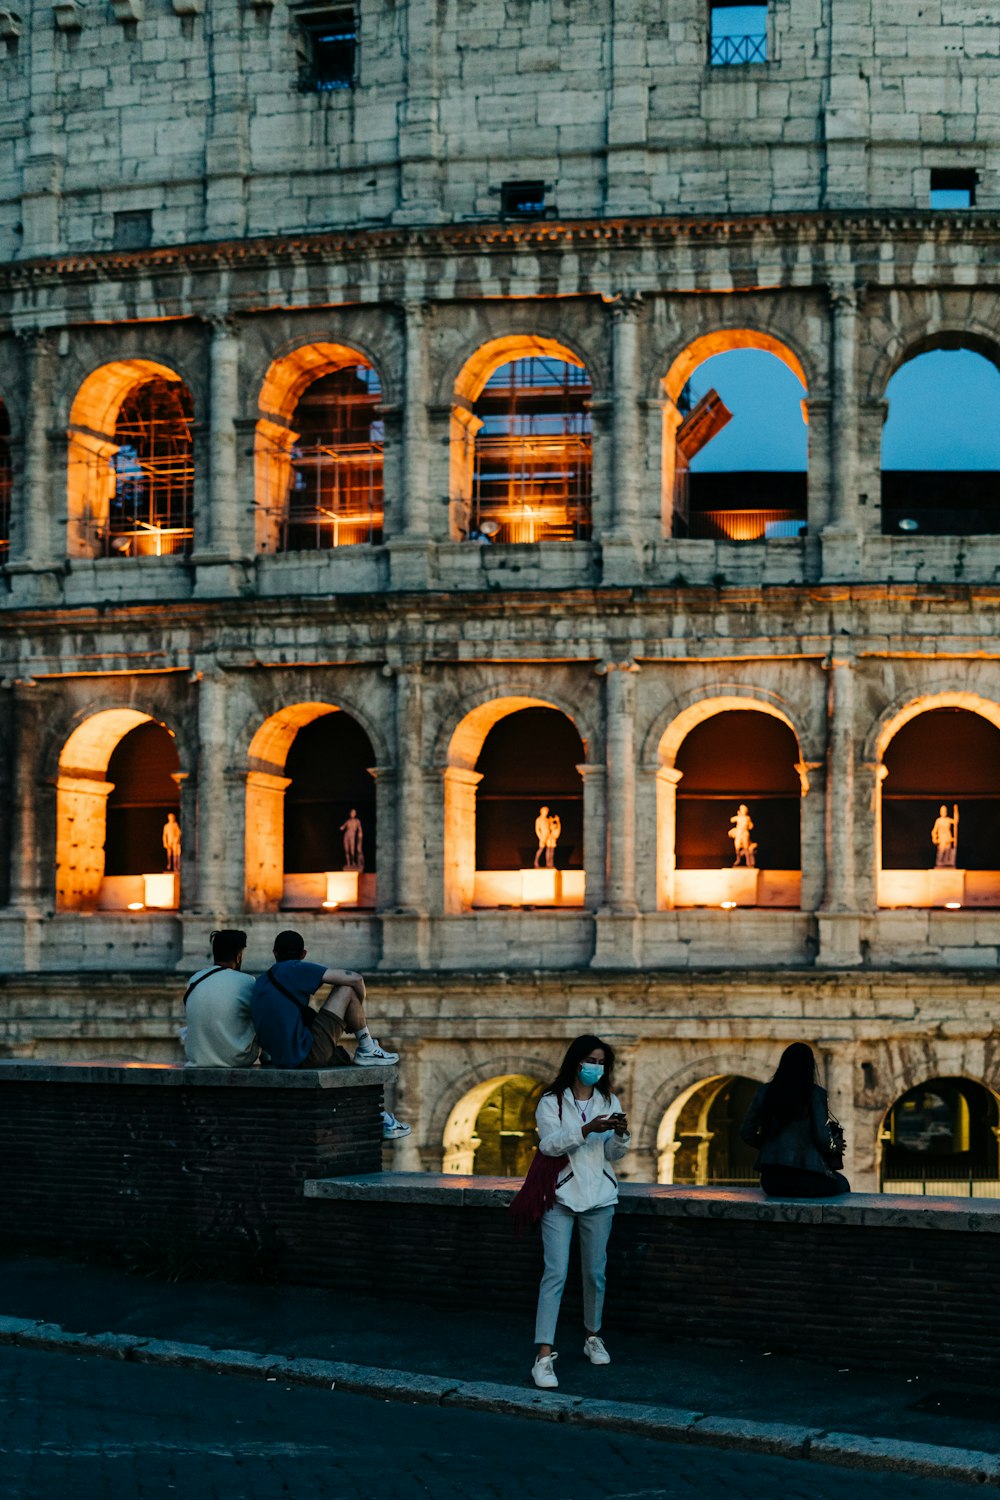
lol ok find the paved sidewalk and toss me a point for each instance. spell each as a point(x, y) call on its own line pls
point(728, 1386)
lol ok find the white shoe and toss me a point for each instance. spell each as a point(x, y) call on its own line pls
point(375, 1057)
point(543, 1374)
point(595, 1351)
point(393, 1129)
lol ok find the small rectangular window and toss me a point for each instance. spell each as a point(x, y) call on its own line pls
point(522, 200)
point(953, 187)
point(132, 229)
point(737, 34)
point(331, 48)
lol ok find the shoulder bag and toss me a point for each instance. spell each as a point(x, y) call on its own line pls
point(537, 1192)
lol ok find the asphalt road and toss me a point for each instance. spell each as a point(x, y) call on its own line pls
point(75, 1428)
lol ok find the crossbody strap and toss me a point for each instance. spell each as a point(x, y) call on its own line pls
point(201, 979)
point(308, 1014)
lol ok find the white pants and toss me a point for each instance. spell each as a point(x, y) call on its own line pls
point(557, 1235)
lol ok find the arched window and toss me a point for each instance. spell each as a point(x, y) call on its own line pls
point(521, 445)
point(940, 1138)
point(940, 812)
point(737, 840)
point(941, 446)
point(491, 1131)
point(699, 1138)
point(740, 465)
point(131, 478)
point(118, 831)
point(529, 812)
point(320, 452)
point(6, 481)
point(310, 822)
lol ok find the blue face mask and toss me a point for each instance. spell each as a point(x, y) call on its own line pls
point(591, 1073)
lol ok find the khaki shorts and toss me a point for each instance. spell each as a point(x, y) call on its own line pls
point(327, 1031)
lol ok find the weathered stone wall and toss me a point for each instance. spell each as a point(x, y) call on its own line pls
point(614, 107)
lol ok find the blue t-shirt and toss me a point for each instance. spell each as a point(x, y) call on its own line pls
point(281, 1027)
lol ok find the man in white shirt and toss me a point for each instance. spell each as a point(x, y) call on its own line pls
point(219, 1026)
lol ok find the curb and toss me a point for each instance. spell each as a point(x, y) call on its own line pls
point(664, 1423)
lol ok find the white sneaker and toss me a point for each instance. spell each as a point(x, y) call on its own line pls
point(375, 1057)
point(595, 1351)
point(393, 1129)
point(543, 1374)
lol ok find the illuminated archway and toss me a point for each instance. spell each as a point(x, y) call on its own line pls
point(319, 451)
point(521, 443)
point(131, 462)
point(520, 796)
point(491, 1130)
point(310, 837)
point(938, 804)
point(698, 1141)
point(941, 1139)
point(940, 444)
point(759, 489)
point(110, 848)
point(746, 763)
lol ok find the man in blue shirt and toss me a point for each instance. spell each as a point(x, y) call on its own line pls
point(298, 1029)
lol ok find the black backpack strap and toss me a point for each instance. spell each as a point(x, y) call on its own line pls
point(200, 980)
point(308, 1014)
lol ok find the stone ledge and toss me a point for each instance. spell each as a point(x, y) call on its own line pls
point(858, 1210)
point(176, 1075)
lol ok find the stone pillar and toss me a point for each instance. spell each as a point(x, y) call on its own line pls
point(411, 852)
point(839, 1065)
point(25, 876)
point(841, 537)
point(33, 541)
point(621, 547)
point(595, 833)
point(812, 832)
point(839, 920)
point(217, 519)
point(227, 156)
point(410, 528)
point(215, 854)
point(620, 741)
point(459, 837)
point(420, 152)
point(667, 780)
point(627, 174)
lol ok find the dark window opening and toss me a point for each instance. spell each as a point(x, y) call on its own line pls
point(533, 453)
point(328, 765)
point(528, 761)
point(142, 770)
point(335, 494)
point(522, 200)
point(939, 1135)
point(710, 1150)
point(953, 187)
point(737, 33)
point(331, 46)
point(950, 757)
point(132, 230)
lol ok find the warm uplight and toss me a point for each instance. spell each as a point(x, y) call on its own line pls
point(953, 906)
point(136, 906)
point(331, 905)
point(728, 905)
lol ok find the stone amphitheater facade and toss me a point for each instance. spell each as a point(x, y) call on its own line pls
point(172, 200)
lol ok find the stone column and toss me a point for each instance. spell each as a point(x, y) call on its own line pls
point(841, 536)
point(410, 525)
point(218, 522)
point(595, 833)
point(621, 547)
point(668, 779)
point(627, 174)
point(620, 742)
point(411, 853)
point(33, 529)
point(812, 832)
point(839, 1064)
point(215, 853)
point(420, 152)
point(839, 921)
point(25, 882)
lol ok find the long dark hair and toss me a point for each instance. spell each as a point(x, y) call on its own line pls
point(575, 1053)
point(786, 1097)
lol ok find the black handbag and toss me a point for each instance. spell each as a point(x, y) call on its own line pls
point(838, 1144)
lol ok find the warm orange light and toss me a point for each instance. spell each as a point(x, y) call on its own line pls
point(953, 906)
point(136, 906)
point(331, 905)
point(728, 905)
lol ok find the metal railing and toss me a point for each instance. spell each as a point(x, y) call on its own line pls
point(730, 51)
point(534, 487)
point(323, 496)
point(149, 503)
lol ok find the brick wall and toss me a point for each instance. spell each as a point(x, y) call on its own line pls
point(168, 1170)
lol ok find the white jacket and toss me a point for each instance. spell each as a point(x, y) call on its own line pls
point(589, 1180)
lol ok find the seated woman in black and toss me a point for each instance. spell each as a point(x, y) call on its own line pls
point(789, 1123)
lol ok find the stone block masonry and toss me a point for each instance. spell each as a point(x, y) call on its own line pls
point(171, 1163)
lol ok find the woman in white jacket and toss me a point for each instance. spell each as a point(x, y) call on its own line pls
point(580, 1118)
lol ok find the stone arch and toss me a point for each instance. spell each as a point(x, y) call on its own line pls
point(660, 754)
point(284, 383)
point(459, 1143)
point(917, 338)
point(91, 477)
point(895, 1175)
point(680, 1082)
point(469, 380)
point(266, 784)
point(82, 791)
point(681, 442)
point(908, 706)
point(465, 742)
point(502, 1063)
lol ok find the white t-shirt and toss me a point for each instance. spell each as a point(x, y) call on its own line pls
point(220, 1030)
